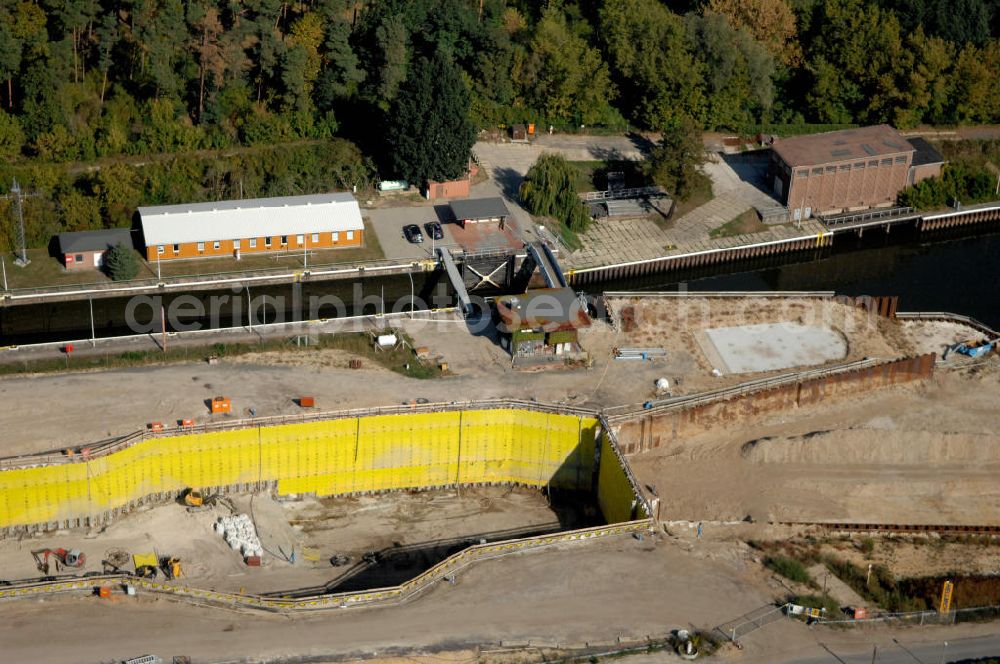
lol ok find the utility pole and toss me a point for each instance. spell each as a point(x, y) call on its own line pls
point(3, 266)
point(93, 340)
point(22, 257)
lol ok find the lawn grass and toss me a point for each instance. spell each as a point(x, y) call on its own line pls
point(45, 270)
point(701, 193)
point(744, 224)
point(592, 175)
point(400, 359)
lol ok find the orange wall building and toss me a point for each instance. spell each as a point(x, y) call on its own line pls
point(251, 226)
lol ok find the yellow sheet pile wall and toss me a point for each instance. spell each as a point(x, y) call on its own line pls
point(328, 457)
point(615, 495)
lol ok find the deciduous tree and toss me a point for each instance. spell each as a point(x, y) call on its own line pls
point(650, 55)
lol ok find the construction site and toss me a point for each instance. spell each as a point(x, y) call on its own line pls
point(550, 512)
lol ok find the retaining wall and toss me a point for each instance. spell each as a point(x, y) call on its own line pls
point(328, 457)
point(646, 432)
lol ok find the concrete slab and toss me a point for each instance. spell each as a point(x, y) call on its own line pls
point(773, 346)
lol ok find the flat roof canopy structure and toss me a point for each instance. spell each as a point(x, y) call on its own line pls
point(253, 217)
point(479, 208)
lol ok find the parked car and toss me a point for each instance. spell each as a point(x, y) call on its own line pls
point(412, 233)
point(434, 229)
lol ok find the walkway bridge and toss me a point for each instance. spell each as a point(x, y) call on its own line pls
point(547, 264)
point(457, 282)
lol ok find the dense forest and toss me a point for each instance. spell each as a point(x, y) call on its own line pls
point(96, 80)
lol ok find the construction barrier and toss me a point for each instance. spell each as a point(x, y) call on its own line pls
point(326, 457)
point(379, 596)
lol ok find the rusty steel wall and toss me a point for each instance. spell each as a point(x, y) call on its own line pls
point(646, 432)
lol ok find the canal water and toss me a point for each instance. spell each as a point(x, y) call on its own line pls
point(955, 270)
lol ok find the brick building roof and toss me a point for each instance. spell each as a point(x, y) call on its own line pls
point(844, 145)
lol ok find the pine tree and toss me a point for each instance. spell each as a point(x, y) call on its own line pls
point(429, 135)
point(121, 263)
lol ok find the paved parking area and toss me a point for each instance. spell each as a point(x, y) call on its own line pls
point(388, 225)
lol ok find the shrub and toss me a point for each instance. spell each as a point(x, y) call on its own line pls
point(789, 568)
point(121, 263)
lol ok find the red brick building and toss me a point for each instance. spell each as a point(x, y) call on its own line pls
point(84, 250)
point(839, 171)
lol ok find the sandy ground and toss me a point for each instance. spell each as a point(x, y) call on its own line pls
point(429, 524)
point(569, 595)
point(920, 454)
point(677, 323)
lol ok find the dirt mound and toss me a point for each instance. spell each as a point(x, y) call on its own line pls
point(867, 446)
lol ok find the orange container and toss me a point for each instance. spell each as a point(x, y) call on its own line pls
point(156, 426)
point(104, 592)
point(221, 405)
point(307, 402)
point(187, 423)
point(531, 129)
point(253, 561)
point(68, 348)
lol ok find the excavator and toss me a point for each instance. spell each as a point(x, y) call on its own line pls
point(64, 558)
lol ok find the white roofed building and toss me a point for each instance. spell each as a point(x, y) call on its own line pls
point(255, 225)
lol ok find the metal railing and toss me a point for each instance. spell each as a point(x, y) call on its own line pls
point(616, 414)
point(719, 294)
point(445, 570)
point(864, 218)
point(108, 446)
point(734, 630)
point(615, 194)
point(950, 317)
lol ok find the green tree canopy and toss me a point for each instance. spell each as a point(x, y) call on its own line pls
point(121, 263)
point(675, 163)
point(548, 190)
point(650, 55)
point(430, 135)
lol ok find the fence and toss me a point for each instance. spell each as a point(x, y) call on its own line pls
point(673, 418)
point(736, 629)
point(445, 570)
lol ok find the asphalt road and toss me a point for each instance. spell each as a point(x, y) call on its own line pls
point(900, 652)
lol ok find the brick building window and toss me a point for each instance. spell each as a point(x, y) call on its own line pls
point(802, 174)
point(900, 160)
point(886, 162)
point(845, 167)
point(336, 237)
point(267, 242)
point(284, 240)
point(201, 246)
point(215, 245)
point(350, 235)
point(873, 163)
point(817, 171)
point(159, 249)
point(177, 248)
point(831, 169)
point(315, 237)
point(253, 243)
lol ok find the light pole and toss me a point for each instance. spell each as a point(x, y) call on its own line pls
point(3, 266)
point(944, 649)
point(249, 310)
point(410, 275)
